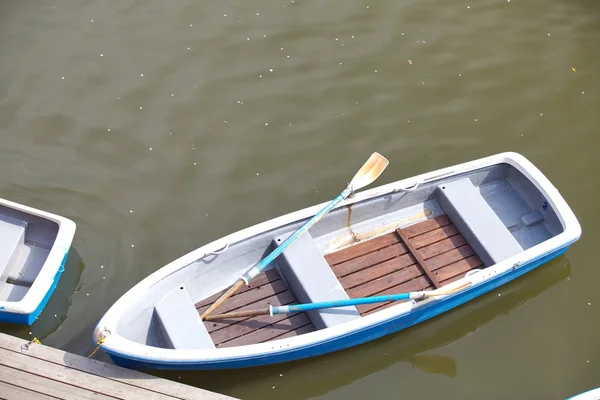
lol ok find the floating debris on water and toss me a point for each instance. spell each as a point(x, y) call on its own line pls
point(410, 62)
point(573, 68)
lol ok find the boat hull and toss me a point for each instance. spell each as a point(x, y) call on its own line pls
point(346, 341)
point(29, 319)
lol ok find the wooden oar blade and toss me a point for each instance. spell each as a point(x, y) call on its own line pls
point(369, 171)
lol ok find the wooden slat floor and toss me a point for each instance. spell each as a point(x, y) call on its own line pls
point(383, 265)
point(35, 371)
point(267, 288)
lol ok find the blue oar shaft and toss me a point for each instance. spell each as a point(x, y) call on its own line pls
point(343, 303)
point(257, 269)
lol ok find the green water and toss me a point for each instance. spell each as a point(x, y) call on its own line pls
point(160, 126)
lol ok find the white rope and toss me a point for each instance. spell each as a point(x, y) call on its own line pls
point(217, 252)
point(410, 189)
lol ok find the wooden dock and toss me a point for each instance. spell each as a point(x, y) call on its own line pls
point(34, 371)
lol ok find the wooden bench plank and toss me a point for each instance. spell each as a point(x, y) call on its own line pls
point(246, 326)
point(280, 299)
point(426, 226)
point(442, 246)
point(370, 259)
point(266, 334)
point(433, 236)
point(362, 248)
point(420, 261)
point(459, 268)
point(377, 271)
point(414, 285)
point(251, 296)
point(385, 282)
point(261, 279)
point(449, 257)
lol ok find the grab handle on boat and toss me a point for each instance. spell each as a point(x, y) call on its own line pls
point(366, 175)
point(274, 310)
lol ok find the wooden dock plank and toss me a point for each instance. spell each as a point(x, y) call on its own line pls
point(56, 387)
point(10, 392)
point(139, 385)
point(73, 381)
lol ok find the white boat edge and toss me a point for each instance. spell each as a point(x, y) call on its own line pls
point(121, 347)
point(39, 293)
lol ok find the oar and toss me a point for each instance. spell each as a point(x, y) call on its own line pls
point(365, 176)
point(274, 310)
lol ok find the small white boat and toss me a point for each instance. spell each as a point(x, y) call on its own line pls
point(33, 250)
point(592, 394)
point(440, 239)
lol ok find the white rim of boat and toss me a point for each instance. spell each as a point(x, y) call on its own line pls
point(46, 277)
point(114, 343)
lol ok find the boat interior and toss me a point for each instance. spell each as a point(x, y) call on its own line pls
point(418, 238)
point(25, 242)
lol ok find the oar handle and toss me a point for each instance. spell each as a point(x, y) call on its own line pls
point(238, 314)
point(221, 299)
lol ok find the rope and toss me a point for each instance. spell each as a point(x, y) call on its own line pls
point(411, 189)
point(217, 252)
point(105, 334)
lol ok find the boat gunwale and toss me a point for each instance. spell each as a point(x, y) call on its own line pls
point(122, 347)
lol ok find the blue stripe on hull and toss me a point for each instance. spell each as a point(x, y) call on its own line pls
point(343, 342)
point(28, 319)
